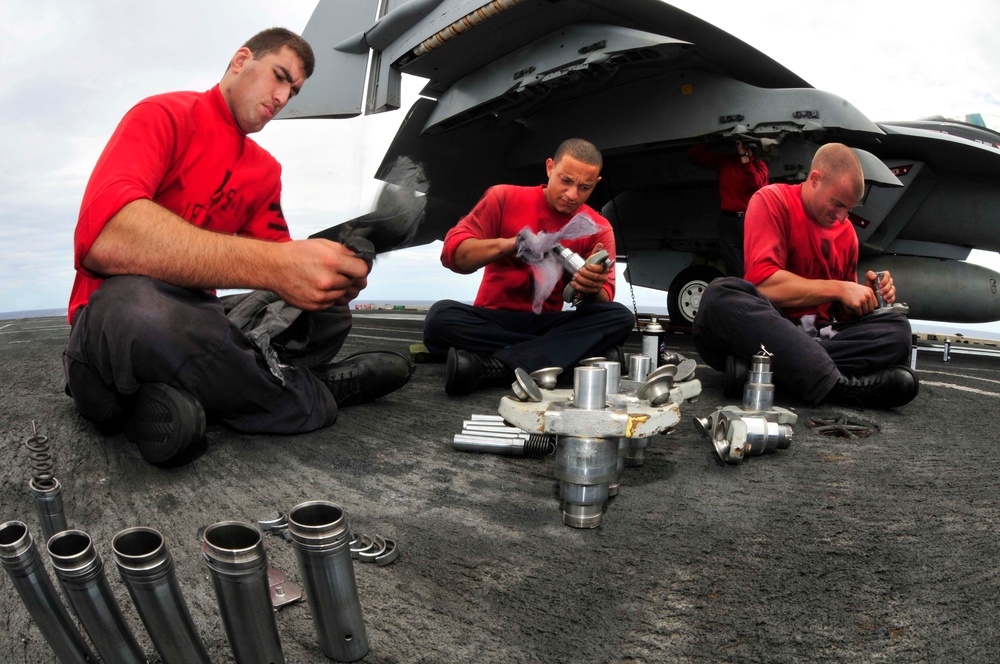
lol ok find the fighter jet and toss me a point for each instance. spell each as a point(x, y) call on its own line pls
point(507, 80)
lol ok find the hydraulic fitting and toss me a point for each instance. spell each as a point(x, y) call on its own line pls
point(44, 487)
point(147, 569)
point(572, 262)
point(236, 559)
point(20, 558)
point(81, 574)
point(321, 535)
point(759, 427)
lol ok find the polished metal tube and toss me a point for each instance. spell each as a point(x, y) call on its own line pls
point(585, 467)
point(614, 371)
point(758, 393)
point(147, 568)
point(20, 558)
point(636, 452)
point(234, 553)
point(81, 575)
point(49, 504)
point(321, 536)
point(590, 388)
point(639, 367)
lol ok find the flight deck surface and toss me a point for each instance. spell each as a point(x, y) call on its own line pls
point(874, 548)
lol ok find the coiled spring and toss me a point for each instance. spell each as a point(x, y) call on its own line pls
point(42, 475)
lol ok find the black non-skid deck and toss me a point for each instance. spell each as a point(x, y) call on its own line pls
point(875, 548)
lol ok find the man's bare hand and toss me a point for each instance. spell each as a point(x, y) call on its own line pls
point(857, 299)
point(319, 274)
point(886, 287)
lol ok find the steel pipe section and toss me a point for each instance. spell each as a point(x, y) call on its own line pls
point(20, 558)
point(147, 569)
point(321, 535)
point(81, 575)
point(234, 553)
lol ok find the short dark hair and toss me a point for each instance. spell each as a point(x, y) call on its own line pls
point(581, 150)
point(273, 39)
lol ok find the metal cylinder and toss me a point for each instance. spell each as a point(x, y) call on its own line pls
point(80, 572)
point(49, 504)
point(20, 558)
point(758, 393)
point(523, 445)
point(638, 367)
point(585, 467)
point(614, 371)
point(234, 553)
point(147, 568)
point(590, 388)
point(764, 437)
point(636, 452)
point(878, 290)
point(321, 535)
point(652, 333)
point(624, 444)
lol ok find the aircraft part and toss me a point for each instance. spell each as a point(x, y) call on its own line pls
point(388, 28)
point(941, 290)
point(321, 534)
point(684, 294)
point(80, 571)
point(237, 561)
point(337, 87)
point(147, 569)
point(759, 427)
point(20, 558)
point(556, 59)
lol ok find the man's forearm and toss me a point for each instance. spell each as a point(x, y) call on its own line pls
point(786, 289)
point(473, 254)
point(145, 238)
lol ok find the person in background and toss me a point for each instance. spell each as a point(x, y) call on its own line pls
point(740, 175)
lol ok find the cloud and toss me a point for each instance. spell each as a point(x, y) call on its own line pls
point(72, 69)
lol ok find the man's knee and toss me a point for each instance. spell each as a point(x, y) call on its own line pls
point(439, 317)
point(620, 317)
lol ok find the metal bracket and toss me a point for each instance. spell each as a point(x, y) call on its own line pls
point(282, 590)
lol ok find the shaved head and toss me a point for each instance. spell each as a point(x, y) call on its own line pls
point(836, 161)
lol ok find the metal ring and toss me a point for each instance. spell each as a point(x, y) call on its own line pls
point(362, 543)
point(369, 556)
point(390, 555)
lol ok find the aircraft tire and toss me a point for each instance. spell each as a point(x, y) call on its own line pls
point(685, 292)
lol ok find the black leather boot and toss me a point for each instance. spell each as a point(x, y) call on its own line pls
point(467, 372)
point(888, 388)
point(362, 377)
point(737, 370)
point(164, 422)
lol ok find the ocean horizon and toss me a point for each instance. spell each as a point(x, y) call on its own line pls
point(927, 327)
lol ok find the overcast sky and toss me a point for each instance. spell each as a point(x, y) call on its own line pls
point(72, 69)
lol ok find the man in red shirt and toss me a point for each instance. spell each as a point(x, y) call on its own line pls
point(801, 299)
point(486, 341)
point(740, 175)
point(181, 202)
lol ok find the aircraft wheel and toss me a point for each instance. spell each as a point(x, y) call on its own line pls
point(684, 295)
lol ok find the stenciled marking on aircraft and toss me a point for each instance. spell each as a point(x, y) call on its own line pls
point(961, 388)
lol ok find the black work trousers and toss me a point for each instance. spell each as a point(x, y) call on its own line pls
point(735, 319)
point(526, 340)
point(137, 330)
